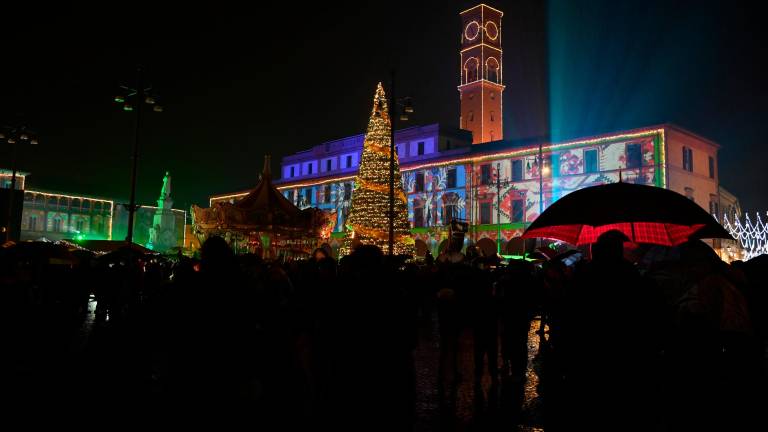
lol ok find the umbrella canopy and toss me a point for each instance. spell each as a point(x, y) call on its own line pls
point(645, 214)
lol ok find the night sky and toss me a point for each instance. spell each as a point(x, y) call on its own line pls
point(239, 83)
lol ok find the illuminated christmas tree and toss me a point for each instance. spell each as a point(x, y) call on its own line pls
point(368, 222)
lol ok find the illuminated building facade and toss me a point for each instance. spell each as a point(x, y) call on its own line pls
point(475, 175)
point(57, 216)
point(61, 216)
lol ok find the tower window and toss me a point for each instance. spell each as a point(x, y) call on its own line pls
point(492, 69)
point(471, 116)
point(711, 167)
point(492, 116)
point(493, 95)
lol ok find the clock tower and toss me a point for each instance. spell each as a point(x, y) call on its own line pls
point(481, 85)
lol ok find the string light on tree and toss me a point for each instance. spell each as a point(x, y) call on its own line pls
point(368, 216)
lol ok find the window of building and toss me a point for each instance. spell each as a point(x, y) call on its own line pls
point(349, 161)
point(518, 210)
point(450, 180)
point(418, 216)
point(79, 225)
point(419, 187)
point(309, 168)
point(56, 225)
point(420, 148)
point(32, 223)
point(293, 171)
point(634, 156)
point(289, 195)
point(492, 116)
point(450, 211)
point(689, 193)
point(491, 135)
point(554, 164)
point(485, 213)
point(711, 167)
point(688, 159)
point(327, 193)
point(347, 191)
point(714, 208)
point(485, 174)
point(328, 165)
point(493, 95)
point(517, 170)
point(471, 116)
point(590, 161)
point(308, 196)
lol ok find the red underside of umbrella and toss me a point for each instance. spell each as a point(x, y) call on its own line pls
point(638, 232)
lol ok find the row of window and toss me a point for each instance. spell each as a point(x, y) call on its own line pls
point(688, 162)
point(57, 225)
point(450, 180)
point(305, 198)
point(420, 151)
point(450, 211)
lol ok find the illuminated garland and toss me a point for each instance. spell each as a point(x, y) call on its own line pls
point(753, 237)
point(382, 188)
point(368, 219)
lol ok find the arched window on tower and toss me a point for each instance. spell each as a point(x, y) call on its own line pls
point(492, 70)
point(471, 67)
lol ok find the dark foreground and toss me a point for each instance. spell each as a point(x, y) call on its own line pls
point(363, 346)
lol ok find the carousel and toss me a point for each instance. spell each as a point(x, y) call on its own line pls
point(264, 222)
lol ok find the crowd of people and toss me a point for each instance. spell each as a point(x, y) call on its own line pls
point(672, 345)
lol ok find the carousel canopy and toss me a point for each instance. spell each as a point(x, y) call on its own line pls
point(264, 209)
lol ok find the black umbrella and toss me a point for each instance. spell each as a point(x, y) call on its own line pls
point(645, 214)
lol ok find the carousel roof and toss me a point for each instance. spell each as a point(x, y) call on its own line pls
point(263, 209)
point(266, 200)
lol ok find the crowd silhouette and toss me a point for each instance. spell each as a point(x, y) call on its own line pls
point(677, 344)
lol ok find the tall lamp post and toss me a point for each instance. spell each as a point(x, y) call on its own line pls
point(133, 99)
point(407, 106)
point(12, 136)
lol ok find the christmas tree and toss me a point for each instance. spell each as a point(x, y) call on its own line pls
point(368, 222)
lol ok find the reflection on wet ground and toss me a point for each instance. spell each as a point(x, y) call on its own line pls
point(511, 403)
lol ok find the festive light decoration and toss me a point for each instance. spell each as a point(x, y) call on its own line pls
point(753, 237)
point(368, 216)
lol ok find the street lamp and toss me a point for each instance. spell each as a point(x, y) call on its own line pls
point(407, 104)
point(133, 99)
point(12, 136)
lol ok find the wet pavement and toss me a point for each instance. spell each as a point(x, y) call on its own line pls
point(475, 408)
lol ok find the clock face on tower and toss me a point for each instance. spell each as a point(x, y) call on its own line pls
point(491, 30)
point(472, 30)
